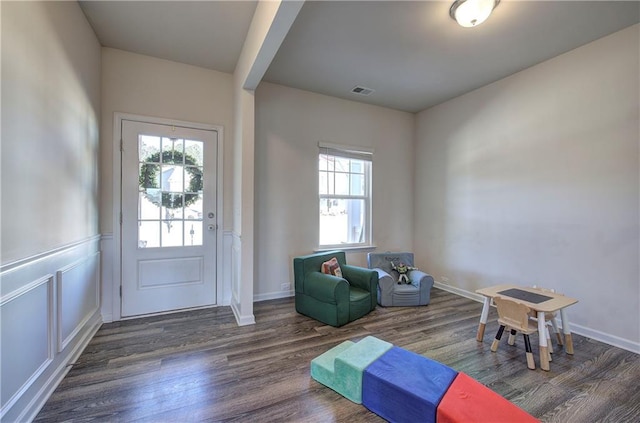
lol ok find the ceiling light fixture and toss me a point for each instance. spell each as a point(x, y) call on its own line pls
point(470, 13)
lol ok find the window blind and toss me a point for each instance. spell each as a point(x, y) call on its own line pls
point(349, 152)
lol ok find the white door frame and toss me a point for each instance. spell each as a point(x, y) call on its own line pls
point(118, 117)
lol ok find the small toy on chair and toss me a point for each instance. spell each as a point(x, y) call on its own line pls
point(402, 269)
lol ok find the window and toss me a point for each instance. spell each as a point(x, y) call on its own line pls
point(344, 176)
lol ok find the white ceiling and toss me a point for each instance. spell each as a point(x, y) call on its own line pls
point(209, 34)
point(411, 53)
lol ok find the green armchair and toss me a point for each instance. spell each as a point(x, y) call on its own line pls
point(331, 299)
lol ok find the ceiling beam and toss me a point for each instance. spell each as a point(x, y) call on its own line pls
point(270, 24)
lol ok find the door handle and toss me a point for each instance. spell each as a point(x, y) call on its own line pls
point(212, 227)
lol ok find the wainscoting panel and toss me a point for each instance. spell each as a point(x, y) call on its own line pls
point(78, 287)
point(242, 317)
point(235, 269)
point(107, 250)
point(26, 346)
point(224, 284)
point(49, 311)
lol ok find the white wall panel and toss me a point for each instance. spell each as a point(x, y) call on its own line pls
point(235, 268)
point(78, 297)
point(243, 314)
point(224, 288)
point(45, 322)
point(107, 299)
point(25, 340)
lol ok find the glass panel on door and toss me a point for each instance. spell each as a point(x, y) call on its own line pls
point(170, 183)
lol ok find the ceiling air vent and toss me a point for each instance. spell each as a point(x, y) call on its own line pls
point(362, 90)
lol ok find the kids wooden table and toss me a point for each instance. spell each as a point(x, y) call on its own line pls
point(538, 301)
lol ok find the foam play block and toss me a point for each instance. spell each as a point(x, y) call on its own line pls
point(467, 400)
point(322, 367)
point(402, 386)
point(350, 365)
point(341, 367)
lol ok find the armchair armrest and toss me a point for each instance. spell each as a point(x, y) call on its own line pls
point(360, 277)
point(326, 288)
point(386, 285)
point(418, 278)
point(424, 282)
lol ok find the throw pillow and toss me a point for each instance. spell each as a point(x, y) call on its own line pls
point(332, 267)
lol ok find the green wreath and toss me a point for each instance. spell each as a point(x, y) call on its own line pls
point(149, 173)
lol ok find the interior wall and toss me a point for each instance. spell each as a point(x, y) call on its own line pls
point(534, 179)
point(289, 125)
point(144, 85)
point(50, 284)
point(51, 107)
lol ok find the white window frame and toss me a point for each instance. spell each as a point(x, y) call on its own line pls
point(349, 152)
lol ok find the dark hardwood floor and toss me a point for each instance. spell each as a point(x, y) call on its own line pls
point(200, 366)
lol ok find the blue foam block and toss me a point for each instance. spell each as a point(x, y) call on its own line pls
point(402, 386)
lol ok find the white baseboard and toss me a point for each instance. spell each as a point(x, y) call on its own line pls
point(240, 319)
point(613, 340)
point(458, 291)
point(273, 295)
point(39, 400)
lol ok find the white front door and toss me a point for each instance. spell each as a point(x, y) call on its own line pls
point(169, 222)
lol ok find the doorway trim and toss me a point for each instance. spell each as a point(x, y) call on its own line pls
point(118, 117)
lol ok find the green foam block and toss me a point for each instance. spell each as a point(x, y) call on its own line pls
point(350, 364)
point(341, 367)
point(322, 367)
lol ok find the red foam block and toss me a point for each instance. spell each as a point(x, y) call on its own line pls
point(467, 400)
